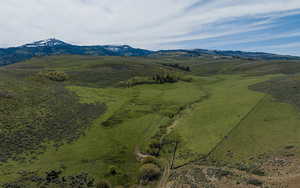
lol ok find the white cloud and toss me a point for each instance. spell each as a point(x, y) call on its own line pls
point(259, 37)
point(284, 49)
point(141, 23)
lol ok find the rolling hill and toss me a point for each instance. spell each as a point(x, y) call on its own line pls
point(148, 121)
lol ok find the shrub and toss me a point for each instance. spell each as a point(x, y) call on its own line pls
point(157, 78)
point(103, 184)
point(151, 159)
point(255, 182)
point(289, 147)
point(52, 175)
point(113, 171)
point(222, 173)
point(4, 94)
point(165, 78)
point(154, 147)
point(242, 167)
point(258, 172)
point(148, 173)
point(56, 76)
point(177, 66)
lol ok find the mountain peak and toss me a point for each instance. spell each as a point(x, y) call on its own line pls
point(48, 42)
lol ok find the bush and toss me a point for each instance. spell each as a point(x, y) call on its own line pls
point(103, 184)
point(148, 173)
point(151, 160)
point(258, 172)
point(255, 182)
point(166, 78)
point(52, 176)
point(242, 167)
point(158, 78)
point(113, 171)
point(177, 66)
point(56, 76)
point(154, 147)
point(4, 94)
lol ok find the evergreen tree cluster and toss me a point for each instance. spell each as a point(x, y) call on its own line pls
point(177, 66)
point(165, 78)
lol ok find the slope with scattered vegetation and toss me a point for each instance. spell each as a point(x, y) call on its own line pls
point(109, 121)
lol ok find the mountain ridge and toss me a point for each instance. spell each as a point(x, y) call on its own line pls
point(54, 46)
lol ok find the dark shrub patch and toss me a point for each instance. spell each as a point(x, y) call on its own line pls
point(218, 173)
point(255, 182)
point(13, 185)
point(151, 159)
point(52, 176)
point(242, 167)
point(7, 95)
point(52, 179)
point(158, 78)
point(177, 66)
point(289, 147)
point(154, 147)
point(103, 184)
point(114, 171)
point(285, 89)
point(45, 112)
point(111, 122)
point(148, 173)
point(166, 78)
point(258, 172)
point(56, 76)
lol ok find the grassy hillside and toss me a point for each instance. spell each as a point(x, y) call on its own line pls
point(229, 101)
point(68, 120)
point(130, 116)
point(264, 131)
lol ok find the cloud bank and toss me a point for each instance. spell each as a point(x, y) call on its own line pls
point(151, 24)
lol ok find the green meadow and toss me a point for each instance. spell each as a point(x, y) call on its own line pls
point(136, 115)
point(226, 111)
point(229, 101)
point(267, 130)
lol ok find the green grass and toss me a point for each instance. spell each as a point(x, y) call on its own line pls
point(266, 131)
point(211, 120)
point(142, 110)
point(109, 122)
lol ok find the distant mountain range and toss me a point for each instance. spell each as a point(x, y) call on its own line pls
point(58, 47)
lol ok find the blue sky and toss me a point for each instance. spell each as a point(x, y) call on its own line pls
point(277, 35)
point(256, 25)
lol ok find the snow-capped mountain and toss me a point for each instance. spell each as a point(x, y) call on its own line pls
point(57, 47)
point(48, 42)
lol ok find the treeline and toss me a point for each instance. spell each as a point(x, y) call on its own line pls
point(158, 78)
point(177, 66)
point(165, 78)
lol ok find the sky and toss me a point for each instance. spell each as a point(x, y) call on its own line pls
point(249, 25)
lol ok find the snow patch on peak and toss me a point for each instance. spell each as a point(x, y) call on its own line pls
point(112, 48)
point(47, 42)
point(116, 48)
